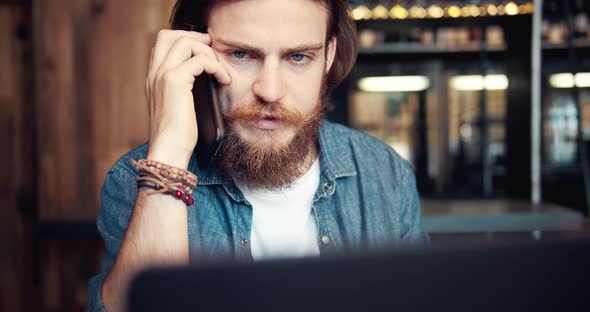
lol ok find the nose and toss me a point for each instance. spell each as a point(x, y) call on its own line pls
point(269, 86)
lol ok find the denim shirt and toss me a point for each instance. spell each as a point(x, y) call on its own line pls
point(366, 200)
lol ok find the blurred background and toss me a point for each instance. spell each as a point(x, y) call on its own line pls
point(489, 100)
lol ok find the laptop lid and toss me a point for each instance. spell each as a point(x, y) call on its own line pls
point(525, 277)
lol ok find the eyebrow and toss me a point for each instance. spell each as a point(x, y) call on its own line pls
point(249, 48)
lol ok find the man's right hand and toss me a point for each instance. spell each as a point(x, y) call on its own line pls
point(157, 233)
point(177, 58)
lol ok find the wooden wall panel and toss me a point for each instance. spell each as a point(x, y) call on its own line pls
point(92, 61)
point(65, 269)
point(9, 107)
point(16, 157)
point(123, 35)
point(58, 145)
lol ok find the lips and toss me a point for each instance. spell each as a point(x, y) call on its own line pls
point(265, 123)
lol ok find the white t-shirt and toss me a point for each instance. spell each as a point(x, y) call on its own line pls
point(283, 224)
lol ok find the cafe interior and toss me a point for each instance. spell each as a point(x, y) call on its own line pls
point(489, 101)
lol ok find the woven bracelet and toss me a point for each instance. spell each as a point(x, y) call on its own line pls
point(164, 179)
point(169, 172)
point(185, 197)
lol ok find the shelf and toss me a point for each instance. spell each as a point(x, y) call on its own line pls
point(561, 169)
point(405, 48)
point(410, 47)
point(470, 53)
point(396, 24)
point(464, 54)
point(576, 43)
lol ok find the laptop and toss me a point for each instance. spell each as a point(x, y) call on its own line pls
point(542, 276)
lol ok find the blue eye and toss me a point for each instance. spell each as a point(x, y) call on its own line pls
point(298, 57)
point(239, 54)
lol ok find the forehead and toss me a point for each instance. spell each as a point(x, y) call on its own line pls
point(270, 23)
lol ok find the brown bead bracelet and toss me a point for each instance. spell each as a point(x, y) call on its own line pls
point(185, 197)
point(169, 172)
point(165, 179)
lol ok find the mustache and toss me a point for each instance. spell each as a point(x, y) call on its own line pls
point(258, 110)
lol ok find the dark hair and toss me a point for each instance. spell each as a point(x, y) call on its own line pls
point(193, 15)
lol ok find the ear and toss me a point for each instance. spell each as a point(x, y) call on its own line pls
point(331, 53)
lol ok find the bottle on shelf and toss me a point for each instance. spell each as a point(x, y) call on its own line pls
point(581, 20)
point(554, 26)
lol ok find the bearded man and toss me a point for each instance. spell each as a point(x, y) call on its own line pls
point(285, 183)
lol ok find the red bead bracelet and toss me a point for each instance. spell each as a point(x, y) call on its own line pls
point(187, 199)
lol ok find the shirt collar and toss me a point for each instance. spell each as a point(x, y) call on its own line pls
point(335, 161)
point(335, 156)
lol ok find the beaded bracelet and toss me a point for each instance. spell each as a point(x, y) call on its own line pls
point(162, 183)
point(185, 197)
point(166, 171)
point(164, 179)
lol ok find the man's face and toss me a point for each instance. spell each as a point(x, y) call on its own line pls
point(275, 53)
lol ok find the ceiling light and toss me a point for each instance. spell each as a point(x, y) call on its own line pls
point(569, 80)
point(394, 83)
point(479, 82)
point(361, 12)
point(454, 11)
point(380, 12)
point(492, 10)
point(511, 8)
point(398, 12)
point(435, 11)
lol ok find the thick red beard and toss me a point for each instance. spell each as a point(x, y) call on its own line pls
point(269, 167)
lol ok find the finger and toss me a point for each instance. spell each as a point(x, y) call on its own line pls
point(183, 49)
point(148, 81)
point(213, 64)
point(152, 57)
point(166, 39)
point(198, 65)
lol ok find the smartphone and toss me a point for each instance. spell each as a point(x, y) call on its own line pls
point(210, 122)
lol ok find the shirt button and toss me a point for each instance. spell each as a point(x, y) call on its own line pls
point(244, 241)
point(325, 240)
point(327, 186)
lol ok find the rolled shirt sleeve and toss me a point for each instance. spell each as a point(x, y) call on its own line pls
point(117, 198)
